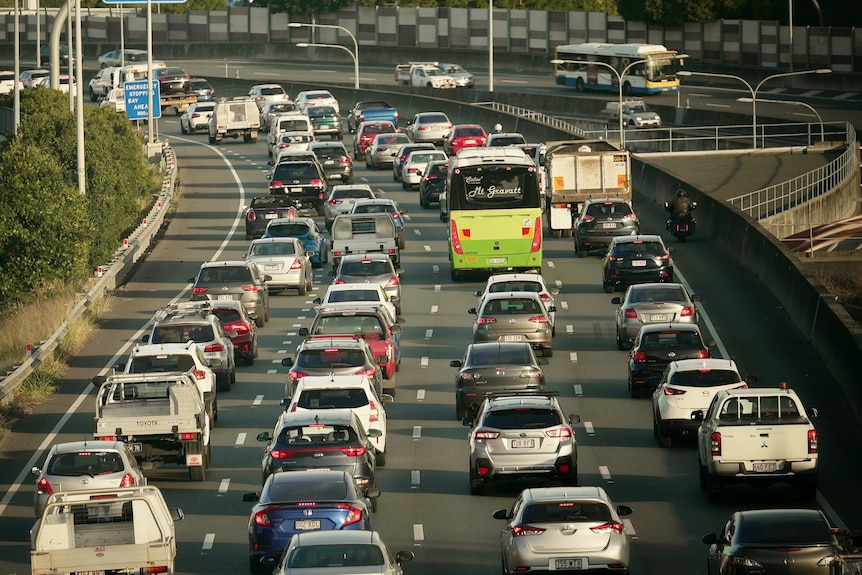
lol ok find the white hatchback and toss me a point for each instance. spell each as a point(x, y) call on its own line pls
point(521, 282)
point(355, 392)
point(416, 164)
point(689, 385)
point(353, 295)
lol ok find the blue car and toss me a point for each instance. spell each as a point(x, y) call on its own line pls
point(308, 233)
point(298, 501)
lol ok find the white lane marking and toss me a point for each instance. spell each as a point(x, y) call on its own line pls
point(435, 268)
point(300, 317)
point(224, 485)
point(417, 232)
point(429, 333)
point(240, 438)
point(573, 357)
point(209, 538)
point(278, 361)
point(606, 473)
point(305, 309)
point(513, 81)
point(706, 320)
point(845, 95)
point(414, 478)
point(272, 371)
point(427, 248)
point(570, 328)
point(436, 287)
point(418, 532)
point(551, 264)
point(296, 325)
point(280, 351)
point(287, 342)
point(630, 528)
point(588, 426)
point(558, 283)
point(434, 309)
point(579, 390)
point(717, 105)
point(423, 362)
point(258, 399)
point(420, 395)
point(417, 431)
point(290, 333)
point(564, 304)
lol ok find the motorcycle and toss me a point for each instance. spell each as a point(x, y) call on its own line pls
point(680, 226)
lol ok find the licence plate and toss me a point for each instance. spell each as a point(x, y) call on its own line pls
point(473, 142)
point(296, 190)
point(576, 563)
point(763, 467)
point(306, 525)
point(659, 317)
point(496, 260)
point(638, 263)
point(609, 226)
point(512, 338)
point(523, 443)
point(225, 296)
point(328, 162)
point(136, 447)
point(89, 573)
point(271, 267)
point(270, 216)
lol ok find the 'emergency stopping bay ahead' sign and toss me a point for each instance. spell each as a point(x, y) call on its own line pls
point(136, 100)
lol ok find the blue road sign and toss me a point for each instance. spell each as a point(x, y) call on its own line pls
point(136, 100)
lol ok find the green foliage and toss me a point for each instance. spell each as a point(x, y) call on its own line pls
point(304, 7)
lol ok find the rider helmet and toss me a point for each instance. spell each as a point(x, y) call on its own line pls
point(680, 193)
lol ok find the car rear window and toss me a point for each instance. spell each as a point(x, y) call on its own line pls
point(333, 398)
point(288, 230)
point(511, 306)
point(281, 108)
point(273, 249)
point(352, 193)
point(671, 338)
point(433, 119)
point(365, 325)
point(781, 530)
point(330, 358)
point(374, 209)
point(225, 275)
point(437, 171)
point(495, 355)
point(321, 111)
point(311, 491)
point(657, 294)
point(470, 132)
point(636, 248)
point(85, 463)
point(296, 138)
point(343, 555)
point(566, 512)
point(366, 268)
point(609, 209)
point(294, 125)
point(379, 129)
point(294, 171)
point(226, 314)
point(759, 407)
point(704, 377)
point(353, 295)
point(157, 363)
point(272, 91)
point(330, 152)
point(316, 434)
point(182, 333)
point(522, 418)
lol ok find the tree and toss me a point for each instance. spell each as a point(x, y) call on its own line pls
point(304, 7)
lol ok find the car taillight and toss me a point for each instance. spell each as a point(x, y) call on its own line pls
point(673, 391)
point(663, 257)
point(200, 290)
point(251, 216)
point(127, 480)
point(240, 328)
point(370, 372)
point(338, 281)
point(412, 170)
point(687, 311)
point(539, 319)
point(196, 115)
point(262, 517)
point(199, 374)
point(456, 241)
point(715, 443)
point(465, 377)
point(333, 202)
point(631, 313)
point(250, 287)
point(703, 353)
point(524, 530)
point(189, 436)
point(589, 218)
point(317, 182)
point(559, 433)
point(640, 357)
point(372, 411)
point(545, 297)
point(530, 374)
point(484, 435)
point(276, 184)
point(537, 236)
point(393, 281)
point(353, 514)
point(345, 160)
point(296, 375)
point(44, 486)
point(214, 348)
point(608, 527)
point(631, 217)
point(812, 441)
point(296, 265)
point(381, 149)
point(281, 453)
point(486, 320)
point(353, 451)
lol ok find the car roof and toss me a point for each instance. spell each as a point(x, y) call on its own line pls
point(334, 381)
point(697, 364)
point(341, 416)
point(637, 238)
point(163, 348)
point(673, 327)
point(565, 493)
point(226, 263)
point(335, 537)
point(75, 446)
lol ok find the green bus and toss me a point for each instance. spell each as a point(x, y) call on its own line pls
point(495, 212)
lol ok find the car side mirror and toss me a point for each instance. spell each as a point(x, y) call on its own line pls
point(671, 249)
point(478, 293)
point(270, 163)
point(623, 510)
point(500, 514)
point(263, 436)
point(99, 380)
point(177, 514)
point(468, 421)
point(750, 379)
point(381, 359)
point(287, 361)
point(269, 176)
point(250, 497)
point(372, 493)
point(710, 343)
point(697, 415)
point(696, 297)
point(396, 329)
point(812, 412)
point(386, 398)
point(233, 333)
point(215, 363)
point(617, 300)
point(574, 419)
point(455, 363)
point(317, 301)
point(552, 308)
point(542, 360)
point(403, 556)
point(374, 433)
point(710, 539)
point(303, 332)
point(555, 291)
point(120, 366)
point(472, 311)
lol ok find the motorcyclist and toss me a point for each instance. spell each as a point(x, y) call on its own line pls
point(679, 208)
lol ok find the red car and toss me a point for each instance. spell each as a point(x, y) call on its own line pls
point(366, 132)
point(234, 317)
point(464, 136)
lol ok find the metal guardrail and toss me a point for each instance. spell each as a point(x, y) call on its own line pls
point(107, 277)
point(534, 116)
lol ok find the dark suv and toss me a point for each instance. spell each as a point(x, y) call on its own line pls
point(657, 345)
point(602, 220)
point(433, 183)
point(636, 259)
point(323, 355)
point(172, 80)
point(302, 180)
point(336, 162)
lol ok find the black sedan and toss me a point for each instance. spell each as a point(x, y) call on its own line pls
point(492, 367)
point(636, 259)
point(656, 346)
point(302, 501)
point(328, 439)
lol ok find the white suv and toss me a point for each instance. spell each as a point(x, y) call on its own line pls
point(194, 321)
point(185, 357)
point(352, 295)
point(354, 392)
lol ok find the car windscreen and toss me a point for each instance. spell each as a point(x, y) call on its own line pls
point(273, 249)
point(566, 512)
point(521, 418)
point(340, 556)
point(351, 398)
point(330, 358)
point(287, 230)
point(704, 377)
point(181, 333)
point(366, 268)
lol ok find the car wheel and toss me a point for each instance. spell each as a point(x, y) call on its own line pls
point(633, 392)
point(579, 85)
point(255, 567)
point(232, 375)
point(425, 205)
point(401, 243)
point(570, 479)
point(93, 96)
point(380, 458)
point(477, 486)
point(302, 289)
point(808, 487)
point(404, 185)
point(249, 359)
point(548, 352)
point(198, 472)
point(256, 349)
point(259, 321)
point(664, 441)
point(620, 343)
point(609, 288)
point(212, 141)
point(222, 381)
point(714, 489)
point(556, 233)
point(702, 474)
point(460, 414)
point(375, 504)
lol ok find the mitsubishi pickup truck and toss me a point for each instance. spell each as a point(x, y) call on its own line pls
point(161, 416)
point(759, 436)
point(635, 114)
point(124, 530)
point(364, 233)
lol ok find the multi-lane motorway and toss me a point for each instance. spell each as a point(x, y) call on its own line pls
point(426, 506)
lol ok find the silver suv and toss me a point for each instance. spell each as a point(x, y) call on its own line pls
point(194, 321)
point(234, 279)
point(342, 355)
point(518, 435)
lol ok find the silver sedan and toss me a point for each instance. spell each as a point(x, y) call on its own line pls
point(644, 304)
point(285, 261)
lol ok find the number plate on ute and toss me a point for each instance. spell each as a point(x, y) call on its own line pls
point(763, 467)
point(306, 525)
point(295, 190)
point(578, 563)
point(638, 263)
point(523, 443)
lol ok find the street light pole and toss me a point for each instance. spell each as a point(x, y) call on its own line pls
point(793, 103)
point(354, 54)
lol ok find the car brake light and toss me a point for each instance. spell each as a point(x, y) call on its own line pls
point(262, 517)
point(559, 433)
point(663, 256)
point(345, 160)
point(127, 480)
point(812, 441)
point(589, 218)
point(687, 311)
point(281, 453)
point(486, 320)
point(199, 374)
point(456, 241)
point(196, 115)
point(537, 236)
point(239, 328)
point(333, 202)
point(484, 435)
point(632, 217)
point(372, 411)
point(522, 530)
point(614, 526)
point(250, 287)
point(200, 290)
point(296, 265)
point(703, 353)
point(317, 182)
point(189, 436)
point(631, 313)
point(44, 486)
point(640, 357)
point(276, 184)
point(539, 319)
point(353, 514)
point(545, 297)
point(214, 348)
point(296, 375)
point(393, 281)
point(251, 216)
point(353, 451)
point(673, 391)
point(338, 281)
point(412, 170)
point(715, 443)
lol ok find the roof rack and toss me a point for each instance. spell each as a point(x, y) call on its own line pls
point(203, 308)
point(517, 394)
